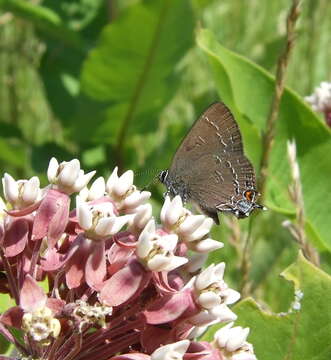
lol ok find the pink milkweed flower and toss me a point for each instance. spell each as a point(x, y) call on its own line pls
point(127, 281)
point(36, 314)
point(231, 341)
point(157, 252)
point(53, 213)
point(87, 259)
point(21, 193)
point(193, 230)
point(140, 219)
point(96, 191)
point(67, 176)
point(125, 195)
point(213, 295)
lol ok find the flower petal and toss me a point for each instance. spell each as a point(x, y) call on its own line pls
point(16, 236)
point(124, 284)
point(52, 170)
point(95, 269)
point(32, 296)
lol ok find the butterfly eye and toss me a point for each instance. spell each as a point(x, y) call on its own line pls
point(249, 195)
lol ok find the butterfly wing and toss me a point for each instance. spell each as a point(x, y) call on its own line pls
point(211, 163)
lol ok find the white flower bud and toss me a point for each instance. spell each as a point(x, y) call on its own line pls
point(99, 220)
point(233, 341)
point(212, 274)
point(124, 183)
point(52, 170)
point(112, 180)
point(21, 193)
point(156, 252)
point(10, 188)
point(173, 351)
point(67, 176)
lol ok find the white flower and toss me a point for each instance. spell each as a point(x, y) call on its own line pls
point(191, 229)
point(99, 220)
point(196, 332)
point(131, 202)
point(213, 294)
point(156, 251)
point(172, 211)
point(124, 193)
point(174, 351)
point(21, 193)
point(67, 176)
point(40, 325)
point(96, 190)
point(232, 342)
point(219, 314)
point(320, 100)
point(140, 219)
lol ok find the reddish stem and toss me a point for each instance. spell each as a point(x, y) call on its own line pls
point(10, 276)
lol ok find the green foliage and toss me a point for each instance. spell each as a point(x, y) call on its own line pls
point(296, 334)
point(133, 68)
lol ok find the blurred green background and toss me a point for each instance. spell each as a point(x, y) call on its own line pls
point(119, 82)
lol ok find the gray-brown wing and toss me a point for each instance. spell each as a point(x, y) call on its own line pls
point(202, 138)
point(213, 149)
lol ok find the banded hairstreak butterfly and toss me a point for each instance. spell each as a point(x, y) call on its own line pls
point(210, 169)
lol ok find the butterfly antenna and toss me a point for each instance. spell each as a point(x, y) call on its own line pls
point(154, 180)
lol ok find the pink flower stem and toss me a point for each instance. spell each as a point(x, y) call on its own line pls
point(66, 346)
point(110, 349)
point(56, 283)
point(50, 353)
point(33, 351)
point(35, 256)
point(111, 333)
point(10, 277)
point(126, 314)
point(93, 338)
point(77, 347)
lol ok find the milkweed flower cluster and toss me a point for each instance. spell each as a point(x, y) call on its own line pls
point(320, 100)
point(119, 285)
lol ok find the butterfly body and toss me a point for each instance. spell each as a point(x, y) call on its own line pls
point(210, 168)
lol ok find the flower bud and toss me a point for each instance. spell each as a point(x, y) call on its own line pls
point(173, 351)
point(67, 176)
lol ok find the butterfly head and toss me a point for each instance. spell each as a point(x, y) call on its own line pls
point(163, 176)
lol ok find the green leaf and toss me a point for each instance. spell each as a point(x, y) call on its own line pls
point(133, 69)
point(44, 19)
point(13, 153)
point(248, 90)
point(296, 334)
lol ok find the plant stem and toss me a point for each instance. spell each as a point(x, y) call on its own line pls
point(269, 135)
point(282, 65)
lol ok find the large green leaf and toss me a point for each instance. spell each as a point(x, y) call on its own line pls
point(248, 90)
point(298, 334)
point(133, 69)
